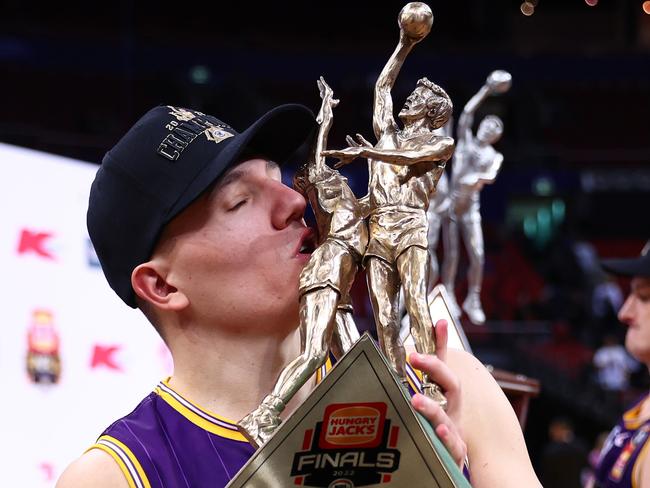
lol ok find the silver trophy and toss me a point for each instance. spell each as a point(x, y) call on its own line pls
point(475, 164)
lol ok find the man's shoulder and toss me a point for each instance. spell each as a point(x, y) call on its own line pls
point(94, 468)
point(99, 465)
point(141, 415)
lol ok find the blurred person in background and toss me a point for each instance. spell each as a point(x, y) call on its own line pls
point(564, 458)
point(614, 366)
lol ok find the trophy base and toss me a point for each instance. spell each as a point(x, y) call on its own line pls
point(357, 428)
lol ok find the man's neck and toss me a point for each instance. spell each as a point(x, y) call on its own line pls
point(228, 374)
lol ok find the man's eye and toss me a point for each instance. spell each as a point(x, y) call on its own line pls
point(237, 205)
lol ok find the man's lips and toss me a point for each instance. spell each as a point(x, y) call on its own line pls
point(306, 243)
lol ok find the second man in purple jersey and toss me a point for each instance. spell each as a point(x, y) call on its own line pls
point(624, 461)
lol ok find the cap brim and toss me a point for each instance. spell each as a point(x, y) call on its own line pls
point(628, 267)
point(276, 135)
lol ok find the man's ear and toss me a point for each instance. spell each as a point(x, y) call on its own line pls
point(149, 281)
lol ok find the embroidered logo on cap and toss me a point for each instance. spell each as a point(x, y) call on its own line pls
point(186, 127)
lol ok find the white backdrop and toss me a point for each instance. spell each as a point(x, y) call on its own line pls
point(110, 356)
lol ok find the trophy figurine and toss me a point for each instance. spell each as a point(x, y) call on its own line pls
point(438, 207)
point(404, 168)
point(325, 308)
point(475, 164)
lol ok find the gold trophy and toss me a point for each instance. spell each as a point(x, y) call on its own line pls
point(325, 282)
point(357, 427)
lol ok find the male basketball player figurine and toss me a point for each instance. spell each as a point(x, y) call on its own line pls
point(475, 164)
point(325, 307)
point(404, 168)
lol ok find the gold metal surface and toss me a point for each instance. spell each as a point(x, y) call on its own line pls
point(404, 168)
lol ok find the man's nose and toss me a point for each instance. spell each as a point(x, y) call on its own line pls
point(288, 205)
point(626, 313)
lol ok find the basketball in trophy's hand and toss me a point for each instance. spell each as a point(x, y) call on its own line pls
point(499, 81)
point(416, 20)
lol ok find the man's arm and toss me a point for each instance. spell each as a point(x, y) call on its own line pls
point(382, 117)
point(497, 82)
point(641, 473)
point(325, 119)
point(466, 119)
point(95, 468)
point(479, 420)
point(490, 173)
point(440, 149)
point(495, 443)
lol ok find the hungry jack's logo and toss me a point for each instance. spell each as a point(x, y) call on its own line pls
point(354, 445)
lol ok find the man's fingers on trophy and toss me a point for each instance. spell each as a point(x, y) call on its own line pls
point(455, 444)
point(441, 334)
point(438, 372)
point(442, 424)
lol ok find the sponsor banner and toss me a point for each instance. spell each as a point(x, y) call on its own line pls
point(70, 349)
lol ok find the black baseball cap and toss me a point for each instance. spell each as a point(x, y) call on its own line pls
point(162, 164)
point(630, 267)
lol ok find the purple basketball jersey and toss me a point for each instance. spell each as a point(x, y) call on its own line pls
point(168, 441)
point(619, 463)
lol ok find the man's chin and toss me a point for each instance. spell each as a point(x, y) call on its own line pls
point(291, 317)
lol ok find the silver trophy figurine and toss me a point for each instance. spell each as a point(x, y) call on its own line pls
point(475, 164)
point(437, 212)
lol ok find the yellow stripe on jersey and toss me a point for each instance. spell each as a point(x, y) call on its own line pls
point(200, 421)
point(417, 373)
point(115, 454)
point(324, 369)
point(118, 460)
point(632, 417)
